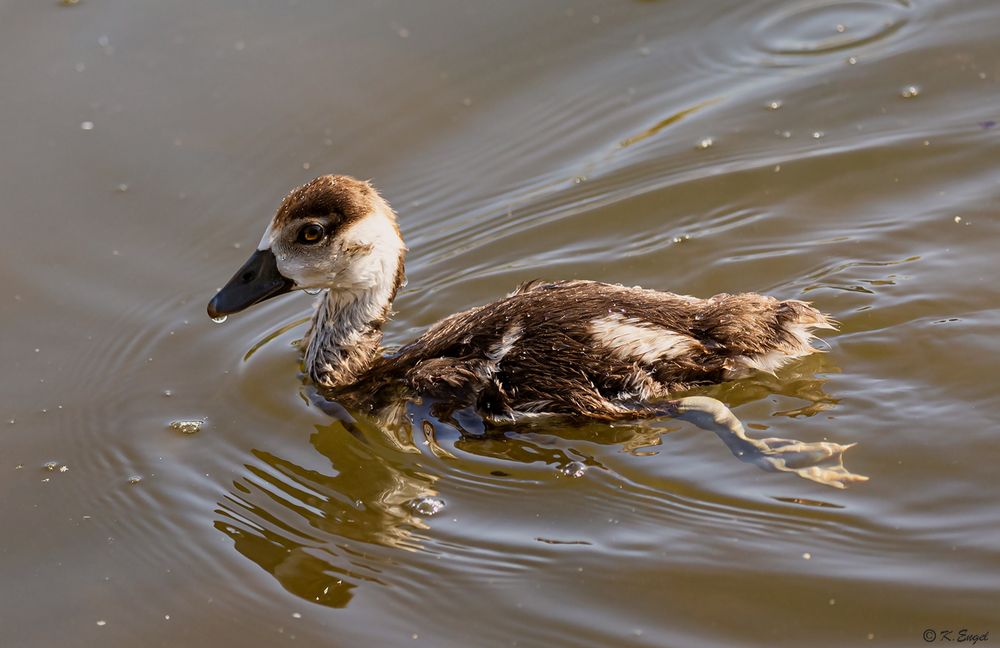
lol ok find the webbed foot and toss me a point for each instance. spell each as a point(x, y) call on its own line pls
point(821, 461)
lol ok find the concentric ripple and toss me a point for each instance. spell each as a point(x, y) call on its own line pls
point(812, 29)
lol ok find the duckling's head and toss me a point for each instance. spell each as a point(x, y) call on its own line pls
point(332, 233)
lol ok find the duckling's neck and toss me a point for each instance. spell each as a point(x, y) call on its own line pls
point(345, 336)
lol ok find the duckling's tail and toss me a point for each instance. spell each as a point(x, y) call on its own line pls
point(781, 332)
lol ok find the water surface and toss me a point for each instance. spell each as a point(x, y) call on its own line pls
point(843, 152)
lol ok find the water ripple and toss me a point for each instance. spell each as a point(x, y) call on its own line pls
point(816, 29)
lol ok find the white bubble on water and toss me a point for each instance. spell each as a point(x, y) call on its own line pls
point(427, 506)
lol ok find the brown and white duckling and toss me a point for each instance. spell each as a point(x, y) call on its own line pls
point(574, 348)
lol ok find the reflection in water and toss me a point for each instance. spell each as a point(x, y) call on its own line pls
point(318, 533)
point(304, 526)
point(803, 380)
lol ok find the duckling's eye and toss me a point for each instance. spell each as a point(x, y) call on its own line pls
point(311, 233)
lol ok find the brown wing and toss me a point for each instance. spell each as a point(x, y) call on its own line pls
point(600, 349)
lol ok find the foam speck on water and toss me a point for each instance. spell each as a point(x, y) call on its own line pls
point(187, 426)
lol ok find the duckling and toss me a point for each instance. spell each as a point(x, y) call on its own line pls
point(574, 348)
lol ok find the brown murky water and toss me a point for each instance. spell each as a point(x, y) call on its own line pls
point(842, 151)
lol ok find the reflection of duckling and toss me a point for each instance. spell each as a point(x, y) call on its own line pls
point(577, 348)
point(321, 533)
